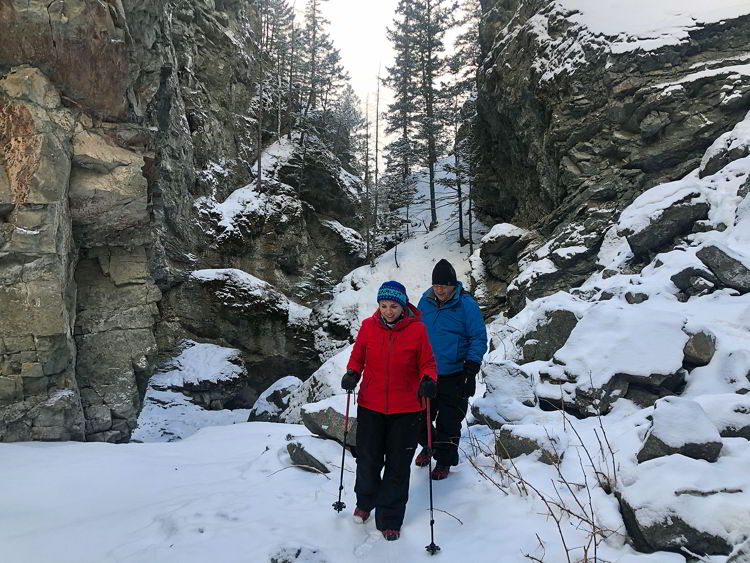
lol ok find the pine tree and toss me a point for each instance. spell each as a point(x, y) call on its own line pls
point(431, 19)
point(402, 77)
point(463, 65)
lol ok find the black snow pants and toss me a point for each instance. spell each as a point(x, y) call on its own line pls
point(385, 440)
point(448, 410)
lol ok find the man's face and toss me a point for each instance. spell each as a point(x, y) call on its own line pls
point(390, 310)
point(443, 292)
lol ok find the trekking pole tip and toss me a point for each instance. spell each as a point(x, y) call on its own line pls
point(432, 548)
point(338, 506)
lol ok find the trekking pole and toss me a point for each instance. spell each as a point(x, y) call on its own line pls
point(432, 548)
point(338, 506)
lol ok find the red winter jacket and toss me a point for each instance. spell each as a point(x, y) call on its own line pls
point(394, 361)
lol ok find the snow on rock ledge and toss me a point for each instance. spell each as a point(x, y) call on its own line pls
point(680, 426)
point(675, 501)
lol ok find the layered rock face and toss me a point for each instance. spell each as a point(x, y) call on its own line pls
point(578, 115)
point(39, 395)
point(115, 119)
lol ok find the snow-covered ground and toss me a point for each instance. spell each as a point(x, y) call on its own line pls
point(229, 493)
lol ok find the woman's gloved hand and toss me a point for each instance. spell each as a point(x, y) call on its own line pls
point(349, 381)
point(427, 388)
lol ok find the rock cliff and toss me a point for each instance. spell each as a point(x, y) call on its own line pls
point(117, 119)
point(582, 107)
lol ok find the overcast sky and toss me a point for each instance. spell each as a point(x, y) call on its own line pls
point(358, 30)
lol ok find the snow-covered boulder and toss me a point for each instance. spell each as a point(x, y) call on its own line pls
point(680, 426)
point(496, 410)
point(193, 390)
point(210, 375)
point(231, 307)
point(700, 348)
point(324, 383)
point(507, 379)
point(676, 501)
point(501, 246)
point(730, 146)
point(548, 335)
point(613, 346)
point(661, 214)
point(274, 400)
point(327, 418)
point(514, 440)
point(729, 412)
point(732, 268)
point(694, 280)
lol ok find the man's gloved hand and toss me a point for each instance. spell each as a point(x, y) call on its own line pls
point(471, 368)
point(349, 381)
point(427, 388)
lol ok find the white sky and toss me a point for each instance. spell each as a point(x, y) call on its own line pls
point(358, 30)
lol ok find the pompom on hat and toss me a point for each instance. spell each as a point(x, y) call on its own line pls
point(393, 291)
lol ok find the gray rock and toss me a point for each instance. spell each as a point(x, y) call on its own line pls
point(274, 400)
point(700, 348)
point(304, 459)
point(680, 426)
point(693, 280)
point(511, 442)
point(663, 228)
point(669, 534)
point(634, 297)
point(328, 422)
point(548, 336)
point(727, 266)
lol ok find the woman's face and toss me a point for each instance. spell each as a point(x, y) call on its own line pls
point(390, 310)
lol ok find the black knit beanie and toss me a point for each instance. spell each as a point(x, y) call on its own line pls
point(443, 273)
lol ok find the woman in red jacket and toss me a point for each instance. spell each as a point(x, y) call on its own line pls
point(393, 355)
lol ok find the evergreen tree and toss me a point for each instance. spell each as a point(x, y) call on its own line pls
point(432, 18)
point(402, 153)
point(461, 86)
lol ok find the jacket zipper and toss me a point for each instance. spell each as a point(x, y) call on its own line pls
point(388, 369)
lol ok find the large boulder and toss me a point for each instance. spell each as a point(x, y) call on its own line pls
point(660, 215)
point(274, 400)
point(548, 336)
point(730, 267)
point(677, 502)
point(515, 440)
point(613, 346)
point(232, 308)
point(680, 426)
point(327, 418)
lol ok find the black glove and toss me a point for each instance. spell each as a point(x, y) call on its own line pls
point(471, 368)
point(349, 381)
point(427, 388)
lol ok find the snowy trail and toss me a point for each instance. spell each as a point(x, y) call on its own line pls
point(227, 494)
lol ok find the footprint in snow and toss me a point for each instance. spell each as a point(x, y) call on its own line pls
point(365, 547)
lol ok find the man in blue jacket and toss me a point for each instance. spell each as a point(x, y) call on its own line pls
point(458, 337)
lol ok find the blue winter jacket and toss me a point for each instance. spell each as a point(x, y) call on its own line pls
point(456, 329)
